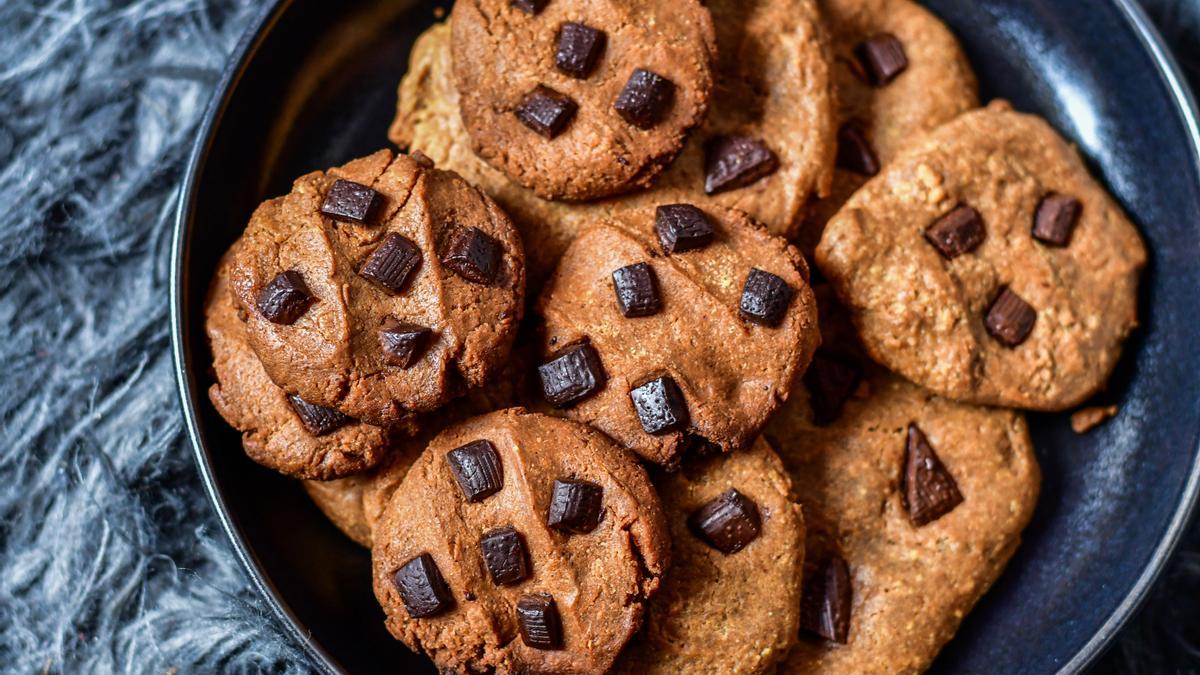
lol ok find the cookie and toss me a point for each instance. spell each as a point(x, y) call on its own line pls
point(341, 501)
point(914, 504)
point(520, 542)
point(278, 431)
point(987, 265)
point(676, 327)
point(721, 612)
point(774, 54)
point(932, 84)
point(582, 100)
point(380, 288)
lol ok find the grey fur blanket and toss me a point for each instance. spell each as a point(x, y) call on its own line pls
point(111, 559)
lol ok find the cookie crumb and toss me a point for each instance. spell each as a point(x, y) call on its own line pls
point(1086, 419)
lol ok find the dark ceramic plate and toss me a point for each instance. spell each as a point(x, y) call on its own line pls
point(313, 84)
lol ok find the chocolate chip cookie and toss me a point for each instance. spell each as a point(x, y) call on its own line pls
point(581, 100)
point(986, 264)
point(900, 73)
point(279, 431)
point(520, 542)
point(731, 600)
point(914, 504)
point(380, 288)
point(676, 327)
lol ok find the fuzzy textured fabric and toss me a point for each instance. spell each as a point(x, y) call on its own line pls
point(111, 559)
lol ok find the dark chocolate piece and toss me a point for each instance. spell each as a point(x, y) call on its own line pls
point(825, 600)
point(1056, 218)
point(882, 58)
point(505, 556)
point(422, 587)
point(646, 99)
point(530, 7)
point(1010, 319)
point(476, 467)
point(958, 232)
point(579, 48)
point(318, 420)
point(929, 490)
point(701, 446)
point(402, 343)
point(352, 202)
point(660, 405)
point(473, 255)
point(575, 506)
point(546, 111)
point(831, 379)
point(572, 376)
point(765, 298)
point(540, 625)
point(637, 290)
point(285, 299)
point(727, 523)
point(854, 150)
point(392, 263)
point(682, 227)
point(732, 162)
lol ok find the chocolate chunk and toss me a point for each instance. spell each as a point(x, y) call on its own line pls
point(318, 420)
point(531, 7)
point(854, 150)
point(660, 405)
point(637, 290)
point(825, 600)
point(422, 587)
point(391, 263)
point(701, 446)
point(882, 58)
point(476, 467)
point(505, 556)
point(575, 506)
point(1056, 218)
point(402, 343)
point(646, 98)
point(682, 227)
point(929, 490)
point(572, 376)
point(541, 627)
point(831, 379)
point(546, 111)
point(958, 232)
point(351, 202)
point(732, 162)
point(765, 298)
point(727, 523)
point(1010, 319)
point(473, 255)
point(285, 299)
point(579, 48)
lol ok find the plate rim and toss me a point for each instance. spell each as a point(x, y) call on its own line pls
point(1169, 71)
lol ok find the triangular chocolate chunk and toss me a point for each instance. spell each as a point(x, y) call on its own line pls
point(826, 600)
point(929, 490)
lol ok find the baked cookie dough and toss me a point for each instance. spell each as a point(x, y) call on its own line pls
point(772, 53)
point(987, 265)
point(676, 327)
point(520, 542)
point(931, 83)
point(581, 100)
point(725, 612)
point(906, 529)
point(380, 288)
point(273, 432)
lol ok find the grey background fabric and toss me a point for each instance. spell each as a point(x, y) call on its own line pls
point(111, 559)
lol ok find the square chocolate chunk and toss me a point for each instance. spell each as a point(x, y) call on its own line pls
point(473, 255)
point(541, 627)
point(682, 227)
point(505, 556)
point(660, 405)
point(352, 202)
point(958, 232)
point(575, 506)
point(392, 263)
point(476, 467)
point(1010, 319)
point(1056, 218)
point(765, 298)
point(579, 49)
point(546, 111)
point(732, 162)
point(637, 290)
point(285, 299)
point(728, 523)
point(831, 379)
point(854, 150)
point(572, 376)
point(402, 343)
point(882, 58)
point(422, 588)
point(646, 99)
point(530, 7)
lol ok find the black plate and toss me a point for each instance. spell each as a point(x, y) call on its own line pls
point(313, 85)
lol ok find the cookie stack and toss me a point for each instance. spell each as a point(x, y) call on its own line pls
point(692, 455)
